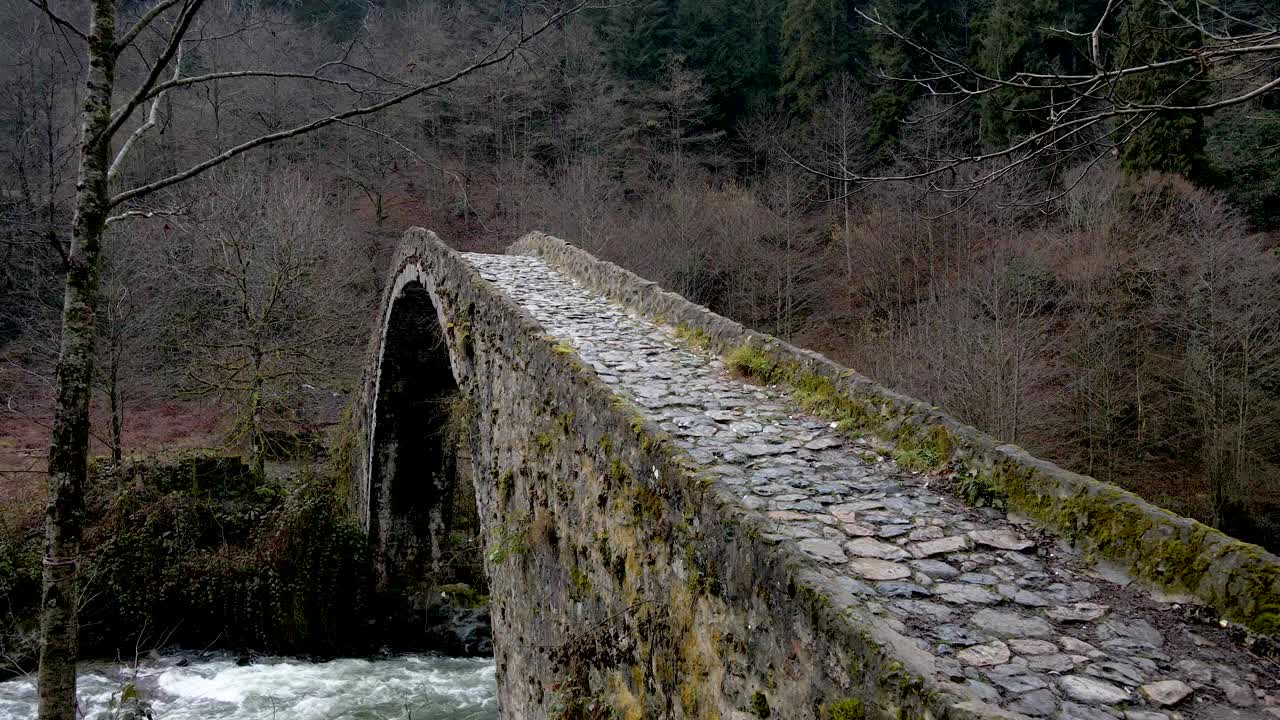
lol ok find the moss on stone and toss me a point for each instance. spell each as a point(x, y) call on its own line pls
point(462, 338)
point(618, 472)
point(917, 460)
point(647, 504)
point(698, 338)
point(510, 539)
point(544, 443)
point(1107, 520)
point(846, 709)
point(760, 705)
point(580, 586)
point(342, 459)
point(750, 361)
point(978, 490)
point(565, 423)
point(701, 579)
point(463, 595)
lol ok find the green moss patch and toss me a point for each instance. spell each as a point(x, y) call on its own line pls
point(1240, 580)
point(760, 705)
point(846, 709)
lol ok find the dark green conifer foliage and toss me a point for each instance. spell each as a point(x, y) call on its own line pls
point(1169, 141)
point(816, 45)
point(1028, 36)
point(940, 25)
point(735, 45)
point(639, 37)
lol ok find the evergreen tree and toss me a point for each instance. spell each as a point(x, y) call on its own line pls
point(816, 46)
point(639, 37)
point(941, 25)
point(1168, 141)
point(1017, 36)
point(735, 45)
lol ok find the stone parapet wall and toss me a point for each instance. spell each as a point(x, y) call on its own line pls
point(1160, 549)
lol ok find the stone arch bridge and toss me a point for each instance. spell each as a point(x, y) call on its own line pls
point(687, 519)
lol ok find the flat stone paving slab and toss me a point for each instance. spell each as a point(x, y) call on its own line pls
point(1007, 611)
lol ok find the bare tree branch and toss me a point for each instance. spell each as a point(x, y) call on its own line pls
point(493, 58)
point(1090, 114)
point(142, 129)
point(43, 6)
point(120, 116)
point(132, 33)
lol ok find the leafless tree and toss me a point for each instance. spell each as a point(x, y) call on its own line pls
point(839, 125)
point(1224, 362)
point(113, 120)
point(267, 265)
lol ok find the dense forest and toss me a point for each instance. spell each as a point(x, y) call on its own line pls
point(1108, 301)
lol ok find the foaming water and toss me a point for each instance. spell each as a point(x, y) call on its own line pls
point(421, 687)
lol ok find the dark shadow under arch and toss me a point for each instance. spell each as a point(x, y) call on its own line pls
point(413, 467)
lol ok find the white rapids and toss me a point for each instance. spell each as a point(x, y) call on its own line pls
point(417, 687)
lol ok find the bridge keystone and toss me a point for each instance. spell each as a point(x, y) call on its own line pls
point(685, 518)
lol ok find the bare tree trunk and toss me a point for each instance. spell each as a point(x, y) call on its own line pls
point(117, 407)
point(257, 436)
point(69, 449)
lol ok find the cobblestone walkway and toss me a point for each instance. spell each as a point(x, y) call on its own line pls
point(1008, 612)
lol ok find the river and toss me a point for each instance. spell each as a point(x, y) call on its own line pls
point(410, 687)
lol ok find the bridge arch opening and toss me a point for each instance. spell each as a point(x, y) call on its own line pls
point(413, 464)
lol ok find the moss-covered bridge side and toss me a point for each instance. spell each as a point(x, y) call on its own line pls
point(622, 584)
point(1163, 550)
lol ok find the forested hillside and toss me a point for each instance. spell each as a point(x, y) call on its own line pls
point(1112, 305)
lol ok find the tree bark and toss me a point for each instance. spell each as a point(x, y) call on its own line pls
point(69, 449)
point(117, 407)
point(257, 434)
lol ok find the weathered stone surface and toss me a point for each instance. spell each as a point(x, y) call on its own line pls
point(1166, 692)
point(1053, 663)
point(1079, 612)
point(824, 550)
point(1092, 691)
point(962, 594)
point(938, 547)
point(992, 653)
point(868, 548)
point(1015, 679)
point(873, 569)
point(1025, 646)
point(1238, 693)
point(1145, 715)
point(958, 636)
point(663, 478)
point(1011, 625)
point(1076, 645)
point(1118, 672)
point(935, 569)
point(1037, 703)
point(1076, 711)
point(1003, 538)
